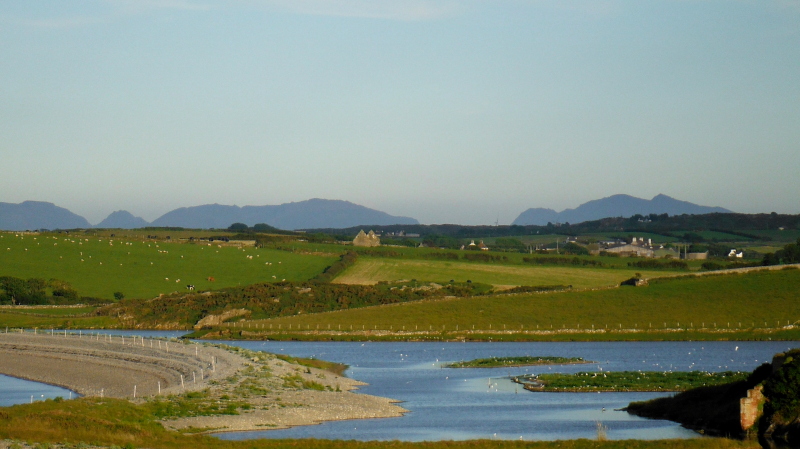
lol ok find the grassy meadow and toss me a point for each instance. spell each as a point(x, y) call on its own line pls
point(100, 266)
point(370, 270)
point(61, 317)
point(687, 307)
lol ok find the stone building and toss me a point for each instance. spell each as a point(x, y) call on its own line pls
point(363, 239)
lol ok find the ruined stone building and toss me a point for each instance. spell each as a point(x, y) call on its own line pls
point(366, 239)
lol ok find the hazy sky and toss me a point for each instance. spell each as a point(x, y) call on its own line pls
point(445, 111)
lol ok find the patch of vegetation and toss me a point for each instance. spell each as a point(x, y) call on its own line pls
point(574, 261)
point(502, 362)
point(783, 389)
point(655, 264)
point(298, 382)
point(36, 291)
point(627, 381)
point(267, 300)
point(789, 254)
point(191, 404)
point(335, 368)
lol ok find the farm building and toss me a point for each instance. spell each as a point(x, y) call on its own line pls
point(631, 250)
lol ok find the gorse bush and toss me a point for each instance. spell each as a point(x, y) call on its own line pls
point(783, 389)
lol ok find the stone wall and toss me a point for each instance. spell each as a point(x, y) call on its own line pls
point(750, 407)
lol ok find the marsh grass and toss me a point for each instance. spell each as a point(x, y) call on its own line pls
point(628, 380)
point(333, 367)
point(500, 362)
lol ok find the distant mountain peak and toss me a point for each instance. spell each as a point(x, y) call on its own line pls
point(30, 215)
point(308, 214)
point(122, 219)
point(619, 205)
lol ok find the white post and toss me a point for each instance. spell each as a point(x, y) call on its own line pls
point(101, 393)
point(134, 391)
point(159, 387)
point(201, 374)
point(194, 377)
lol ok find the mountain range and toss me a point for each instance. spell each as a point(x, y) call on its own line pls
point(614, 206)
point(309, 214)
point(321, 214)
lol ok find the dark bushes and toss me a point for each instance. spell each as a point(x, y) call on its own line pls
point(660, 264)
point(575, 261)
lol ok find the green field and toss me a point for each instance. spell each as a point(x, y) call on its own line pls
point(704, 304)
point(100, 266)
point(785, 236)
point(370, 270)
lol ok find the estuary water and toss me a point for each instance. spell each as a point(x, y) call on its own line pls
point(460, 404)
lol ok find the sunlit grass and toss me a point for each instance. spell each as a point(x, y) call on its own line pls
point(100, 266)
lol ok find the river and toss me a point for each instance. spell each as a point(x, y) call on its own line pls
point(460, 404)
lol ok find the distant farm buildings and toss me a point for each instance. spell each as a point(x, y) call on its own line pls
point(363, 239)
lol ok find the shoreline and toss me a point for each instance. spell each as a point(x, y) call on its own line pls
point(260, 391)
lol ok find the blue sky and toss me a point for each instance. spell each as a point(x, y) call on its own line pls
point(445, 111)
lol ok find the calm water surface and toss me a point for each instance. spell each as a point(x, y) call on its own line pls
point(457, 404)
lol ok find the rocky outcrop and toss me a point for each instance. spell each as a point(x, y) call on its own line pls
point(216, 320)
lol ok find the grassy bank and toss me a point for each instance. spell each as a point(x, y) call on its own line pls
point(627, 381)
point(502, 362)
point(756, 305)
point(56, 317)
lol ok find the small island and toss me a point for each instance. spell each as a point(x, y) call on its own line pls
point(625, 381)
point(506, 362)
